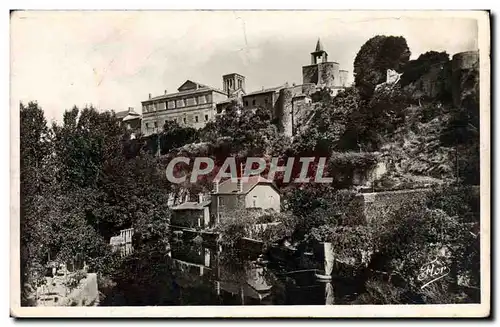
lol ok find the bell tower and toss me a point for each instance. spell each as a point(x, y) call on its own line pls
point(319, 55)
point(233, 82)
point(321, 72)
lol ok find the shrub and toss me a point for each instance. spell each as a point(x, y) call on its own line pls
point(381, 292)
point(238, 224)
point(350, 243)
point(415, 234)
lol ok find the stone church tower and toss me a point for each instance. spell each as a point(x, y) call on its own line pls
point(233, 84)
point(322, 72)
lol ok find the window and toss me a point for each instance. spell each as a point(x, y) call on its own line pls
point(163, 106)
point(156, 124)
point(246, 103)
point(196, 119)
point(171, 104)
point(147, 126)
point(253, 102)
point(206, 117)
point(144, 108)
point(208, 98)
point(266, 100)
point(239, 84)
point(202, 100)
point(190, 101)
point(150, 108)
point(184, 120)
point(254, 201)
point(180, 103)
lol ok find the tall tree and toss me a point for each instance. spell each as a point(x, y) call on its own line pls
point(35, 181)
point(374, 58)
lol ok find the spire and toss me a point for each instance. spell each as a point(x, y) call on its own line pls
point(319, 53)
point(319, 46)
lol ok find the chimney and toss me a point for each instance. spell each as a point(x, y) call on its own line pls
point(149, 96)
point(216, 186)
point(200, 197)
point(165, 92)
point(130, 109)
point(240, 185)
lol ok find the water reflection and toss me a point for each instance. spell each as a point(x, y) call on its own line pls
point(235, 280)
point(201, 274)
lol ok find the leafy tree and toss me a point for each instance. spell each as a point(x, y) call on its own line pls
point(318, 205)
point(437, 226)
point(375, 121)
point(83, 142)
point(242, 133)
point(415, 69)
point(374, 58)
point(423, 70)
point(328, 125)
point(173, 136)
point(36, 179)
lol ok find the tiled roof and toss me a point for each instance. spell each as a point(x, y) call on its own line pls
point(192, 205)
point(125, 113)
point(131, 117)
point(230, 186)
point(187, 92)
point(201, 88)
point(272, 89)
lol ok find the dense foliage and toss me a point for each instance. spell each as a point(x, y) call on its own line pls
point(84, 180)
point(374, 58)
point(78, 190)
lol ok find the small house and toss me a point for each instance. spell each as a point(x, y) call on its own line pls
point(253, 192)
point(192, 214)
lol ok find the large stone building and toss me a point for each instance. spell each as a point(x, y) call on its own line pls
point(292, 105)
point(196, 104)
point(193, 105)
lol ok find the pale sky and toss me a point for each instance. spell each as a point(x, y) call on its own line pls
point(113, 60)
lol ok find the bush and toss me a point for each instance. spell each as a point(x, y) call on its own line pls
point(381, 292)
point(317, 205)
point(351, 244)
point(241, 223)
point(417, 233)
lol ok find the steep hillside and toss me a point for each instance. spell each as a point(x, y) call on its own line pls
point(437, 140)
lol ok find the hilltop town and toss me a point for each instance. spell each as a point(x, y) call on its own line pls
point(195, 104)
point(402, 145)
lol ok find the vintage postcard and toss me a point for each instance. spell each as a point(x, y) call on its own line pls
point(250, 163)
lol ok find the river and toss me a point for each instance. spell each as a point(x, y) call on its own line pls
point(188, 273)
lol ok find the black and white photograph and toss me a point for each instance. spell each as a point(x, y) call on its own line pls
point(250, 163)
